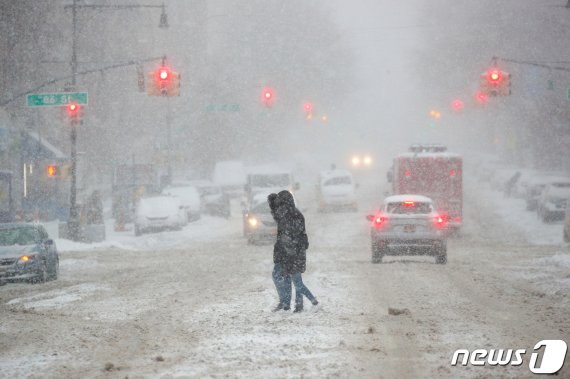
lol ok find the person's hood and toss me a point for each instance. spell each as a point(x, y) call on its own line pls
point(285, 199)
point(285, 204)
point(16, 251)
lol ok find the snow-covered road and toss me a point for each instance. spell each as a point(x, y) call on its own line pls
point(200, 305)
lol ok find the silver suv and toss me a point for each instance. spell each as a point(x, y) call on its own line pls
point(408, 225)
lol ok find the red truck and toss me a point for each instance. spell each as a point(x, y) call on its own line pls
point(431, 171)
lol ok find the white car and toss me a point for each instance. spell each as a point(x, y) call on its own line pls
point(408, 225)
point(537, 185)
point(552, 202)
point(336, 190)
point(159, 213)
point(190, 198)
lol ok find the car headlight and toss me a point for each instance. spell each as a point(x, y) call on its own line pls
point(252, 221)
point(26, 259)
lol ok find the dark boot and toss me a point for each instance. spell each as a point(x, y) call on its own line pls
point(298, 308)
point(315, 302)
point(279, 307)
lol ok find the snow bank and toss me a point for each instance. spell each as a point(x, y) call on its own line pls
point(58, 298)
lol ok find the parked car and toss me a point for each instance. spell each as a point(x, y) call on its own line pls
point(552, 202)
point(213, 200)
point(27, 253)
point(159, 213)
point(408, 225)
point(336, 191)
point(537, 185)
point(190, 198)
point(258, 223)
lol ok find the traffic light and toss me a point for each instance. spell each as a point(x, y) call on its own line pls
point(163, 82)
point(308, 109)
point(457, 105)
point(267, 96)
point(52, 171)
point(73, 111)
point(495, 82)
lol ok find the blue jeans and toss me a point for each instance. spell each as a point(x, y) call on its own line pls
point(300, 290)
point(282, 284)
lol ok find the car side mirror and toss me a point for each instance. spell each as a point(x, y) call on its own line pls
point(370, 218)
point(49, 242)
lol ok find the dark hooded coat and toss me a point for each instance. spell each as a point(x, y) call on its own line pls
point(292, 241)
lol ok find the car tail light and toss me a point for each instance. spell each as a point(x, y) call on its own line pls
point(379, 221)
point(440, 221)
point(458, 219)
point(409, 204)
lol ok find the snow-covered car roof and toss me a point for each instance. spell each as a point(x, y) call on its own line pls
point(402, 198)
point(334, 173)
point(445, 155)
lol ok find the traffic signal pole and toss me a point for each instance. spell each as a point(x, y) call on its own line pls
point(73, 221)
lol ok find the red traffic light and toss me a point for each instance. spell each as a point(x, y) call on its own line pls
point(267, 96)
point(308, 107)
point(457, 104)
point(72, 108)
point(163, 74)
point(495, 76)
point(51, 170)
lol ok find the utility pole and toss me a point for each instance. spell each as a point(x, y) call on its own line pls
point(73, 222)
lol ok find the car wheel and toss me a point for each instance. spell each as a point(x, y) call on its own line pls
point(376, 253)
point(566, 237)
point(250, 240)
point(55, 270)
point(41, 274)
point(441, 256)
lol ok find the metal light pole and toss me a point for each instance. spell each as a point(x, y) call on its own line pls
point(73, 222)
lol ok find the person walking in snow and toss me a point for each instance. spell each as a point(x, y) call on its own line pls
point(280, 279)
point(290, 251)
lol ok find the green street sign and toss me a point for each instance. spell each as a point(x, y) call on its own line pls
point(568, 94)
point(58, 99)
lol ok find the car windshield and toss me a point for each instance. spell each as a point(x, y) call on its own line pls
point(18, 236)
point(270, 180)
point(339, 180)
point(409, 208)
